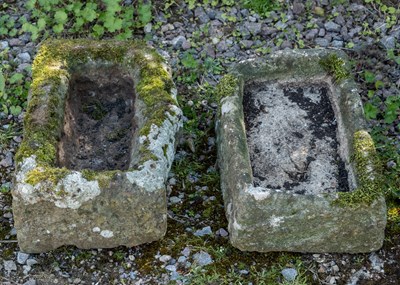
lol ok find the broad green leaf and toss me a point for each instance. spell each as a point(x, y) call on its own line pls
point(144, 13)
point(371, 93)
point(89, 14)
point(58, 28)
point(15, 110)
point(370, 111)
point(16, 78)
point(30, 4)
point(369, 76)
point(379, 84)
point(113, 24)
point(41, 24)
point(61, 17)
point(189, 61)
point(78, 23)
point(3, 31)
point(98, 30)
point(10, 23)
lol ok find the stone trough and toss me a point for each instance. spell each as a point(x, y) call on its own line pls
point(99, 141)
point(298, 169)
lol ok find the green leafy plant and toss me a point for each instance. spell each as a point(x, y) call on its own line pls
point(89, 18)
point(262, 7)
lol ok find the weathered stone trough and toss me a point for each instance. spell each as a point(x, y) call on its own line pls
point(99, 140)
point(298, 169)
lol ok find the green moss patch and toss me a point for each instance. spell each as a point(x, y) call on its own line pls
point(369, 176)
point(335, 66)
point(227, 86)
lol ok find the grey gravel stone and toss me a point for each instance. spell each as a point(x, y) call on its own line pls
point(266, 31)
point(178, 41)
point(186, 45)
point(204, 231)
point(3, 45)
point(9, 265)
point(311, 34)
point(222, 46)
point(15, 42)
point(171, 268)
point(332, 27)
point(321, 32)
point(376, 262)
point(337, 44)
point(26, 269)
point(30, 282)
point(322, 42)
point(389, 42)
point(31, 262)
point(147, 29)
point(222, 232)
point(165, 258)
point(201, 15)
point(175, 276)
point(298, 8)
point(175, 200)
point(281, 25)
point(254, 28)
point(289, 274)
point(24, 57)
point(186, 251)
point(13, 232)
point(202, 258)
point(246, 43)
point(22, 257)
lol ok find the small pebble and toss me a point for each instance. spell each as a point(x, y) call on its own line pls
point(289, 274)
point(202, 258)
point(22, 257)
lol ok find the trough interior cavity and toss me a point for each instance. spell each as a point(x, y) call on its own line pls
point(291, 134)
point(99, 122)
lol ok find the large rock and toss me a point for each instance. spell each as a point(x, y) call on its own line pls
point(99, 141)
point(281, 207)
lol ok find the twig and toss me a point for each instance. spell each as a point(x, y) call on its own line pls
point(8, 241)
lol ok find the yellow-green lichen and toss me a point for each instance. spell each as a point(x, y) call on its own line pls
point(50, 174)
point(335, 66)
point(368, 172)
point(104, 178)
point(227, 86)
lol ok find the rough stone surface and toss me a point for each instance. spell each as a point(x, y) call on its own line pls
point(105, 208)
point(268, 218)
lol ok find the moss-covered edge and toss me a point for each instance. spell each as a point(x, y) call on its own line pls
point(227, 86)
point(53, 63)
point(368, 173)
point(335, 66)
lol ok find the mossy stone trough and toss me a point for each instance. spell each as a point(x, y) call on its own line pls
point(99, 141)
point(299, 171)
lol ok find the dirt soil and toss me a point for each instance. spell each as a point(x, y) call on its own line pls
point(291, 133)
point(99, 122)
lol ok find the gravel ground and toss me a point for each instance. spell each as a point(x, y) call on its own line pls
point(201, 44)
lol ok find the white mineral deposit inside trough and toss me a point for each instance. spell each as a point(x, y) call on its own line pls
point(291, 134)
